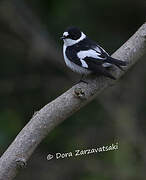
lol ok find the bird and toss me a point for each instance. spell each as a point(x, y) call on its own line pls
point(84, 56)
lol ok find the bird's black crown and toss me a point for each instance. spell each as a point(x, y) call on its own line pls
point(74, 33)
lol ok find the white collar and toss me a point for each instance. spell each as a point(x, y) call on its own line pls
point(70, 42)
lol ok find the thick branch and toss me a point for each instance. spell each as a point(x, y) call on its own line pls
point(64, 106)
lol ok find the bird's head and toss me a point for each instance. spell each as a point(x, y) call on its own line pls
point(72, 35)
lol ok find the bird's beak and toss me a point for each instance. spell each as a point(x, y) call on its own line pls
point(63, 37)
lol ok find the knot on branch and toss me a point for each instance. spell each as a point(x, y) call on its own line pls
point(21, 163)
point(78, 92)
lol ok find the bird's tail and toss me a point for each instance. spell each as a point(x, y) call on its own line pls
point(116, 62)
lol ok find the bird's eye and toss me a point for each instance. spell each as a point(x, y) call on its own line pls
point(72, 36)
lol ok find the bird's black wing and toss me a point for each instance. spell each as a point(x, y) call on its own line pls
point(99, 53)
point(71, 54)
point(108, 59)
point(88, 54)
point(93, 45)
point(97, 67)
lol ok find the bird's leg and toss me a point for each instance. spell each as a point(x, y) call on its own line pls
point(120, 67)
point(81, 80)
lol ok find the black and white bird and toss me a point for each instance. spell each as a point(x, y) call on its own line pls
point(85, 56)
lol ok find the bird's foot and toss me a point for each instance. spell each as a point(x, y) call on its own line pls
point(82, 80)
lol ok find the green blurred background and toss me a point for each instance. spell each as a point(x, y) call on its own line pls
point(32, 73)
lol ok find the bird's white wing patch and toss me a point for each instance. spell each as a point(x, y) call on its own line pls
point(84, 64)
point(106, 65)
point(89, 53)
point(97, 49)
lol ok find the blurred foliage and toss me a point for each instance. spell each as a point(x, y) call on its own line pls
point(32, 73)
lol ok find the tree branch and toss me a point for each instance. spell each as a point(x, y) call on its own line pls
point(64, 106)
